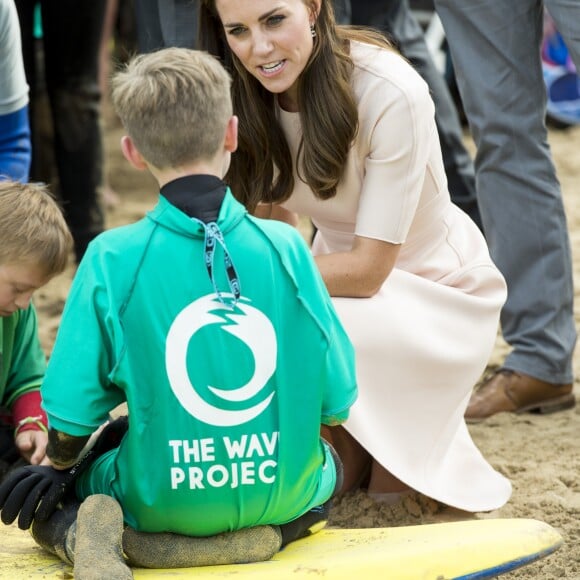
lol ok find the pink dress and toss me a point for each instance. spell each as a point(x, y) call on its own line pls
point(424, 339)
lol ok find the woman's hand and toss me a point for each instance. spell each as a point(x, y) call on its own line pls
point(361, 272)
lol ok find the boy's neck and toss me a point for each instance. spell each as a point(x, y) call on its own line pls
point(216, 167)
point(198, 196)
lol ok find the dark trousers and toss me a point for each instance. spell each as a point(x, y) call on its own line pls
point(67, 70)
point(164, 23)
point(342, 11)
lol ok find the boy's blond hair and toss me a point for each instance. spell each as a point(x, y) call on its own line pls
point(175, 104)
point(32, 228)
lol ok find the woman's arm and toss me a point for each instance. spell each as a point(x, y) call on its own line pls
point(276, 212)
point(395, 141)
point(360, 272)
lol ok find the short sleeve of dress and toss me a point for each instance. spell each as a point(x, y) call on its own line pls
point(396, 126)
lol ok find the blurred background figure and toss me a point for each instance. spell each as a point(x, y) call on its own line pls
point(15, 149)
point(14, 163)
point(496, 50)
point(61, 44)
point(342, 11)
point(164, 23)
point(561, 78)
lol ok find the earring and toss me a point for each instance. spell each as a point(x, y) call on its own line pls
point(312, 30)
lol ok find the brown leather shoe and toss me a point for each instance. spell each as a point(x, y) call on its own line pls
point(511, 392)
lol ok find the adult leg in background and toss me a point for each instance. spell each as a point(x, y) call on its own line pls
point(342, 11)
point(494, 45)
point(162, 23)
point(71, 38)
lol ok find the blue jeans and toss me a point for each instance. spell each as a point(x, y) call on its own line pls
point(495, 47)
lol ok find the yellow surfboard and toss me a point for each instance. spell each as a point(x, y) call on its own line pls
point(469, 550)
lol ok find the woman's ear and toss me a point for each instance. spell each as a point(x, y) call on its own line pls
point(131, 153)
point(315, 9)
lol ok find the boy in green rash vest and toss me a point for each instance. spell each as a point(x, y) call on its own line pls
point(214, 327)
point(35, 244)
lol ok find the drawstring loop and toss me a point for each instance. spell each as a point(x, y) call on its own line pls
point(213, 237)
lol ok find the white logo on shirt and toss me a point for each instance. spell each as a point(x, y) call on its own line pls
point(252, 327)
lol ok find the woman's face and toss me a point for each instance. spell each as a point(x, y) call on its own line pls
point(272, 39)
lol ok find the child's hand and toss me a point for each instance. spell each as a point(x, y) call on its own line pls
point(32, 446)
point(34, 492)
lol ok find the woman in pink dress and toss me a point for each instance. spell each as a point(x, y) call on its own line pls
point(337, 126)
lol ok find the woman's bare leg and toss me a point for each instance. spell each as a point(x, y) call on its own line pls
point(355, 459)
point(383, 481)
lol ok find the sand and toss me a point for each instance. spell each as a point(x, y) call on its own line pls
point(538, 453)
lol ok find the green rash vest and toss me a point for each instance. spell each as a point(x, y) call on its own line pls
point(225, 399)
point(22, 360)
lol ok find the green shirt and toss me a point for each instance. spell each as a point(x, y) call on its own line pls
point(22, 360)
point(225, 401)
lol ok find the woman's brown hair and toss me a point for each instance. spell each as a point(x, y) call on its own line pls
point(261, 168)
